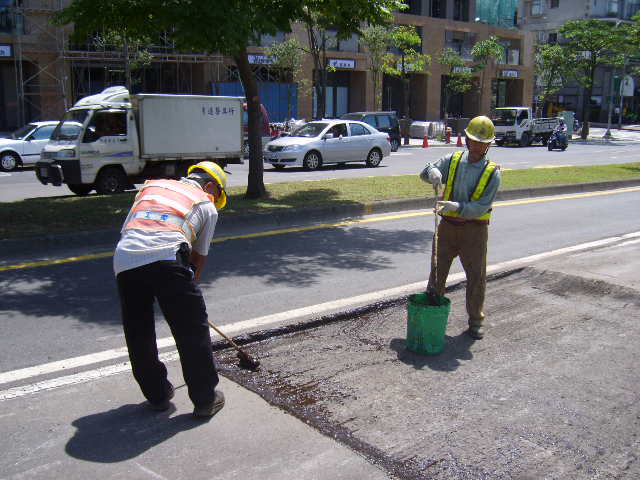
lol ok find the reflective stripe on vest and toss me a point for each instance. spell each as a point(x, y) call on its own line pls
point(481, 186)
point(162, 205)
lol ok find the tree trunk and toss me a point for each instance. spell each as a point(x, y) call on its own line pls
point(255, 180)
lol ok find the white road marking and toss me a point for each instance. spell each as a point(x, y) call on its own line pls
point(255, 323)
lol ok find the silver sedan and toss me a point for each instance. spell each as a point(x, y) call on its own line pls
point(328, 141)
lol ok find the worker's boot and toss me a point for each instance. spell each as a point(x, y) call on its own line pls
point(476, 329)
point(166, 403)
point(210, 409)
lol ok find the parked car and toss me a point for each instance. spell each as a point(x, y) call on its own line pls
point(24, 145)
point(328, 141)
point(386, 122)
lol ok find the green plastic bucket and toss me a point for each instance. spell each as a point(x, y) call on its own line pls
point(426, 324)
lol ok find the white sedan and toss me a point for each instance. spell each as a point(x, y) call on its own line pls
point(328, 141)
point(24, 145)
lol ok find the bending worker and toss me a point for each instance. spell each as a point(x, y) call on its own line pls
point(471, 183)
point(160, 256)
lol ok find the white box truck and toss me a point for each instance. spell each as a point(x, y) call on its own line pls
point(517, 125)
point(112, 140)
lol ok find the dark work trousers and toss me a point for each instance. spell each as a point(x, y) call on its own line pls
point(468, 241)
point(184, 309)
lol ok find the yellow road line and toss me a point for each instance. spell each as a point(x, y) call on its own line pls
point(319, 226)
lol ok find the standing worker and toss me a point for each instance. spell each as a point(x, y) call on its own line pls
point(471, 183)
point(161, 254)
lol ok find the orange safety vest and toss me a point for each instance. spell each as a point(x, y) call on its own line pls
point(165, 205)
point(485, 176)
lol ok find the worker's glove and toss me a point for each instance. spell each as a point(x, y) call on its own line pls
point(435, 177)
point(444, 206)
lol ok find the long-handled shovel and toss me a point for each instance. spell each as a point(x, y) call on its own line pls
point(246, 361)
point(432, 296)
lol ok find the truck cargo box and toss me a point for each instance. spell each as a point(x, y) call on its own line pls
point(173, 126)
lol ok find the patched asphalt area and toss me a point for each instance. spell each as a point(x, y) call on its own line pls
point(550, 392)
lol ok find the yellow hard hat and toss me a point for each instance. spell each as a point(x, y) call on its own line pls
point(216, 172)
point(481, 129)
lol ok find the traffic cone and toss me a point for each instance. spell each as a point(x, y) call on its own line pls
point(459, 142)
point(425, 142)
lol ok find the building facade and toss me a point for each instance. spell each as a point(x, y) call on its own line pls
point(543, 18)
point(43, 72)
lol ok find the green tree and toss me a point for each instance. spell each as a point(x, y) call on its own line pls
point(226, 27)
point(407, 42)
point(320, 39)
point(592, 44)
point(376, 39)
point(287, 57)
point(459, 77)
point(552, 68)
point(135, 52)
point(485, 53)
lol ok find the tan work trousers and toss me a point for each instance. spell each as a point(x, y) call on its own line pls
point(467, 240)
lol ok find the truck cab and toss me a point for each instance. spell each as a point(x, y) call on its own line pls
point(94, 146)
point(518, 125)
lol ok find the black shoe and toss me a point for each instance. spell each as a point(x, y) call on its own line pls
point(209, 410)
point(164, 404)
point(477, 332)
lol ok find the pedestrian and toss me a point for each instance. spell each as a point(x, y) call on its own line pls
point(471, 182)
point(160, 256)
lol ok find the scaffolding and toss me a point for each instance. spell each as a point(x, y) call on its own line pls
point(51, 74)
point(39, 68)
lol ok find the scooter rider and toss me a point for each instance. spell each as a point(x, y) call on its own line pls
point(471, 183)
point(561, 127)
point(161, 254)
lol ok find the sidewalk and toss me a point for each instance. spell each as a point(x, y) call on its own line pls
point(629, 133)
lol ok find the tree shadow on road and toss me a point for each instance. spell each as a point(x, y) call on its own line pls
point(455, 349)
point(86, 290)
point(124, 433)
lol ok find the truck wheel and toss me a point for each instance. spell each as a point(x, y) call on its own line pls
point(111, 180)
point(395, 144)
point(550, 146)
point(312, 160)
point(8, 161)
point(525, 139)
point(80, 188)
point(499, 143)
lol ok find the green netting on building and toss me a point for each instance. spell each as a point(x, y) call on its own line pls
point(501, 13)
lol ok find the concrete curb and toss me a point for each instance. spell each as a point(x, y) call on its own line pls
point(273, 220)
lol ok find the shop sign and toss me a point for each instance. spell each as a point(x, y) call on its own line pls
point(342, 63)
point(460, 69)
point(627, 86)
point(510, 73)
point(260, 59)
point(6, 51)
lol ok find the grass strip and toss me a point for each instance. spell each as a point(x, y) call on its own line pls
point(41, 216)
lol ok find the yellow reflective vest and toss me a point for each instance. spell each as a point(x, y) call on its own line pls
point(486, 175)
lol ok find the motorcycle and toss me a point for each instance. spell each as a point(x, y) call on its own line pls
point(558, 139)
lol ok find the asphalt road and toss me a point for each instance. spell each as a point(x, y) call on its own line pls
point(55, 312)
point(23, 184)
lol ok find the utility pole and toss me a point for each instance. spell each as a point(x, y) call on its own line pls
point(607, 134)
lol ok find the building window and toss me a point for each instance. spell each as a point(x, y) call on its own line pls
point(555, 3)
point(631, 9)
point(460, 42)
point(10, 22)
point(438, 9)
point(415, 7)
point(536, 8)
point(461, 10)
point(613, 7)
